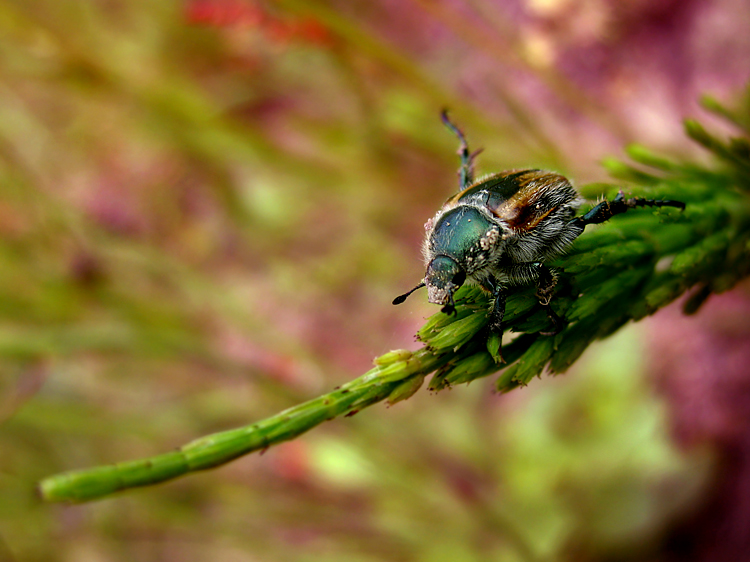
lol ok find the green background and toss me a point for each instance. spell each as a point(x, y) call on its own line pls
point(206, 208)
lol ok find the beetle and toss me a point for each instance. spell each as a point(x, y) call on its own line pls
point(498, 232)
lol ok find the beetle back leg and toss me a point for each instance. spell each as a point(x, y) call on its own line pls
point(545, 286)
point(466, 171)
point(545, 280)
point(608, 209)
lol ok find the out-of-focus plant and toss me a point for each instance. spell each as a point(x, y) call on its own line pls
point(206, 207)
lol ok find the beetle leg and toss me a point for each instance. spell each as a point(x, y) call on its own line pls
point(558, 324)
point(498, 310)
point(545, 286)
point(545, 283)
point(466, 171)
point(608, 209)
point(498, 306)
point(545, 279)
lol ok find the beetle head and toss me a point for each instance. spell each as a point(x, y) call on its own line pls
point(443, 277)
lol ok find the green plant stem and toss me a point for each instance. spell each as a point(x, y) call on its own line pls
point(219, 448)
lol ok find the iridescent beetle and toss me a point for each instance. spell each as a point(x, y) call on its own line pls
point(499, 231)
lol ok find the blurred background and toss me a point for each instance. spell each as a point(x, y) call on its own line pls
point(206, 208)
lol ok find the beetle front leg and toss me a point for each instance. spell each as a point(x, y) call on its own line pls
point(497, 312)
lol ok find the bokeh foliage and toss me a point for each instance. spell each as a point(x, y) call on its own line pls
point(204, 223)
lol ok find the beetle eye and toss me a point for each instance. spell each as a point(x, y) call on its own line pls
point(459, 278)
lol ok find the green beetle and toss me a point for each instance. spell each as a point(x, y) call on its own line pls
point(499, 231)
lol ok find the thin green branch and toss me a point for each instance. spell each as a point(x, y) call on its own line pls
point(617, 272)
point(393, 378)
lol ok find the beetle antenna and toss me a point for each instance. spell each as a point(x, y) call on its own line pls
point(401, 298)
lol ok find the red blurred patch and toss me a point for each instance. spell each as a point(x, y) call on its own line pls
point(702, 367)
point(248, 15)
point(292, 462)
point(283, 368)
point(224, 13)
